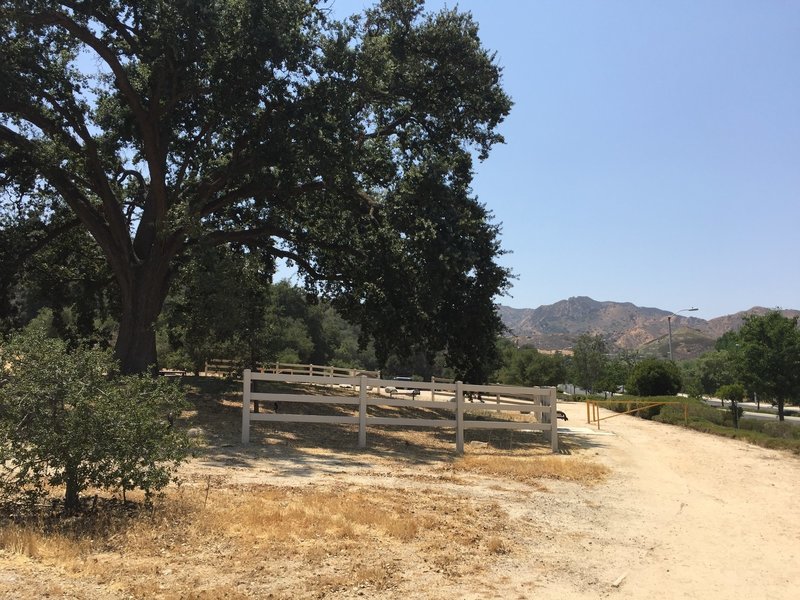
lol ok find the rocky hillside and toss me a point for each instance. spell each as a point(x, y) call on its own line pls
point(622, 324)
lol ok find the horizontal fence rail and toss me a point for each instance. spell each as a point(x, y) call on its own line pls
point(316, 370)
point(373, 392)
point(230, 367)
point(219, 366)
point(593, 409)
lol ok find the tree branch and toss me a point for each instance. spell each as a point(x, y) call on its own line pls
point(119, 28)
point(305, 264)
point(216, 238)
point(389, 128)
point(148, 129)
point(116, 249)
point(190, 153)
point(256, 188)
point(36, 117)
point(85, 35)
point(50, 234)
point(122, 174)
point(255, 234)
point(111, 205)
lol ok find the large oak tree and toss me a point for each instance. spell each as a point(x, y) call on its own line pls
point(344, 146)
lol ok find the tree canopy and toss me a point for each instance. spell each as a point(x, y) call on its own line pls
point(265, 126)
point(654, 377)
point(588, 360)
point(529, 367)
point(768, 357)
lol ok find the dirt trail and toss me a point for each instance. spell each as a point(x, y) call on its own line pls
point(689, 515)
point(682, 515)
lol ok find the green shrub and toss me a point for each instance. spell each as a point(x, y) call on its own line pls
point(769, 434)
point(628, 405)
point(697, 412)
point(616, 406)
point(733, 392)
point(776, 429)
point(653, 377)
point(651, 412)
point(67, 418)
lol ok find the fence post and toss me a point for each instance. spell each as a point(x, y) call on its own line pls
point(459, 418)
point(362, 412)
point(246, 408)
point(433, 391)
point(553, 420)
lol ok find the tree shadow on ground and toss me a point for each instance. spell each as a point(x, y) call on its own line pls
point(306, 449)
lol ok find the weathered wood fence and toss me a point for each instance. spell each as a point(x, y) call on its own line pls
point(541, 401)
point(228, 368)
point(316, 370)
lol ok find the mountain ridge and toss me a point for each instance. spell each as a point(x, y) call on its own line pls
point(623, 325)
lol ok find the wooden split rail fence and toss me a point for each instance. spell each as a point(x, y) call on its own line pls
point(229, 368)
point(540, 401)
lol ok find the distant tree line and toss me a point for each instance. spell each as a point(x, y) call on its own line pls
point(760, 361)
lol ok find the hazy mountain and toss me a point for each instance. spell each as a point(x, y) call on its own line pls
point(622, 324)
point(720, 325)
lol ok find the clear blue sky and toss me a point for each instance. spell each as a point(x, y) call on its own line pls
point(653, 152)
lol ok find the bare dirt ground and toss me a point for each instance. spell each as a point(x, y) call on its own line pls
point(302, 514)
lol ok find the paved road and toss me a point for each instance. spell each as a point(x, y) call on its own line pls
point(766, 411)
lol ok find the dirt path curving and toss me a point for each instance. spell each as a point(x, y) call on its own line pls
point(690, 515)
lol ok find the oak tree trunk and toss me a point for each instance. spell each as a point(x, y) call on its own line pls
point(142, 299)
point(71, 497)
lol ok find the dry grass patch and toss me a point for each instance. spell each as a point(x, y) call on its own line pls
point(252, 541)
point(20, 540)
point(532, 468)
point(495, 545)
point(267, 514)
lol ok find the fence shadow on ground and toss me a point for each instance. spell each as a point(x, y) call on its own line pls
point(308, 448)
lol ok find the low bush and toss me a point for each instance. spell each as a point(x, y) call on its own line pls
point(766, 433)
point(68, 419)
point(776, 429)
point(628, 404)
point(697, 412)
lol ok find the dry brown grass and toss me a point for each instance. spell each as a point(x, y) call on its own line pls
point(496, 545)
point(20, 540)
point(267, 514)
point(250, 541)
point(534, 468)
point(215, 538)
